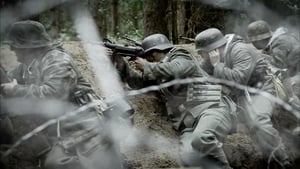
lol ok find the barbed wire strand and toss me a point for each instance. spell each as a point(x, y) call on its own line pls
point(155, 88)
point(273, 98)
point(51, 122)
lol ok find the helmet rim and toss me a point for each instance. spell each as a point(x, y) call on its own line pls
point(258, 30)
point(156, 42)
point(212, 46)
point(209, 39)
point(160, 47)
point(28, 34)
point(259, 37)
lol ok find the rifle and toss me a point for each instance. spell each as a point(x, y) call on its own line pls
point(135, 42)
point(188, 39)
point(124, 51)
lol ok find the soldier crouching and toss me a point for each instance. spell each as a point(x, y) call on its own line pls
point(47, 72)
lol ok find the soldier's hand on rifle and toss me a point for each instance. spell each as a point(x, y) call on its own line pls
point(214, 57)
point(139, 63)
point(119, 63)
point(109, 52)
point(9, 88)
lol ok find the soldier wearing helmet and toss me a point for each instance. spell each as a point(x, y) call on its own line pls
point(284, 49)
point(37, 54)
point(195, 109)
point(46, 73)
point(230, 58)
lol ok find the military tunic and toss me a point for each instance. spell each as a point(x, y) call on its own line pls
point(282, 47)
point(285, 50)
point(50, 75)
point(54, 75)
point(203, 117)
point(242, 64)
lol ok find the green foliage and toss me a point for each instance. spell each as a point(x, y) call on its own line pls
point(58, 24)
point(131, 18)
point(68, 32)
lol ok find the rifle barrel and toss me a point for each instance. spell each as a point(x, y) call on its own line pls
point(137, 43)
point(189, 39)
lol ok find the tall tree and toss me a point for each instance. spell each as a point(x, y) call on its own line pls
point(173, 7)
point(154, 20)
point(115, 14)
point(181, 20)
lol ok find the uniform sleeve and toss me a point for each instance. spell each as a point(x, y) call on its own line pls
point(242, 67)
point(133, 77)
point(206, 65)
point(58, 77)
point(280, 51)
point(179, 67)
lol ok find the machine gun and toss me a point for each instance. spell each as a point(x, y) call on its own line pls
point(124, 51)
point(135, 42)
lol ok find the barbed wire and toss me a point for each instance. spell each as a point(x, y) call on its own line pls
point(51, 122)
point(273, 98)
point(155, 88)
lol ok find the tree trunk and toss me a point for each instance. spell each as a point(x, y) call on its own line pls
point(181, 20)
point(134, 16)
point(174, 21)
point(154, 20)
point(115, 13)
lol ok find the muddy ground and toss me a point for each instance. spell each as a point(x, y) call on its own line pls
point(150, 118)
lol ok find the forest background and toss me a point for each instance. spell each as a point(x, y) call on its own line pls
point(174, 18)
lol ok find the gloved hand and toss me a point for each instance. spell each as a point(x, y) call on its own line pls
point(214, 57)
point(9, 88)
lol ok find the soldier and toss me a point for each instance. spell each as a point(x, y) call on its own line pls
point(198, 110)
point(284, 49)
point(231, 59)
point(48, 72)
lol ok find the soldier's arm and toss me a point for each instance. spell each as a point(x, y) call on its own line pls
point(133, 77)
point(179, 67)
point(57, 79)
point(206, 65)
point(280, 50)
point(241, 71)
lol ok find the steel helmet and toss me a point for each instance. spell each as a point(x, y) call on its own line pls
point(209, 39)
point(156, 42)
point(259, 30)
point(28, 34)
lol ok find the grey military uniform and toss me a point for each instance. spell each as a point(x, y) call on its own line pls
point(282, 47)
point(285, 50)
point(54, 75)
point(197, 110)
point(242, 64)
point(51, 75)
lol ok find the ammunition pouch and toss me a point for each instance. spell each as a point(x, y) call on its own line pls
point(204, 93)
point(199, 98)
